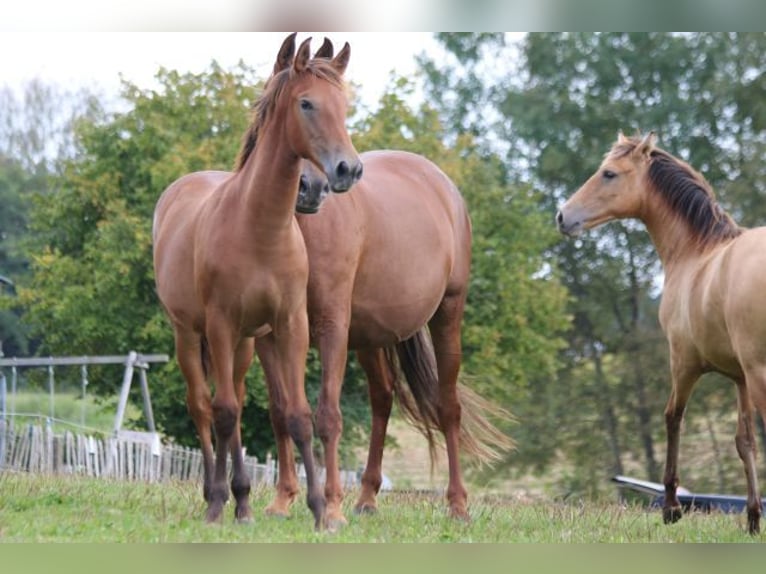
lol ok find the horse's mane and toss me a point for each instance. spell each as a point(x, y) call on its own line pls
point(264, 105)
point(686, 192)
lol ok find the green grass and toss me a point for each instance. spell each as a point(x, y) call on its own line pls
point(75, 509)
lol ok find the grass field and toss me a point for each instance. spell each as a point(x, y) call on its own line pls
point(75, 509)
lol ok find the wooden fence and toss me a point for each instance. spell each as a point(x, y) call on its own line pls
point(127, 456)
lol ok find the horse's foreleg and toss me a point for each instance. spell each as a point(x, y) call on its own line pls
point(225, 410)
point(292, 341)
point(683, 382)
point(332, 342)
point(445, 335)
point(746, 448)
point(287, 479)
point(240, 480)
point(381, 394)
point(198, 402)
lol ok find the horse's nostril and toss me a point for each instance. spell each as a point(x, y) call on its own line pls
point(559, 218)
point(358, 171)
point(303, 185)
point(342, 170)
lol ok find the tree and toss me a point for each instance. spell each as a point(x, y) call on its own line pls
point(36, 131)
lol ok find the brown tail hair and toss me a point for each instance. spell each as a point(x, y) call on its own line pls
point(419, 401)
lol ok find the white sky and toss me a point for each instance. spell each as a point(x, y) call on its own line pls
point(96, 59)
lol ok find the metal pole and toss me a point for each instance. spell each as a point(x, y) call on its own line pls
point(148, 412)
point(51, 386)
point(14, 380)
point(126, 380)
point(3, 419)
point(84, 377)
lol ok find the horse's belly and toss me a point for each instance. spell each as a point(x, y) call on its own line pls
point(385, 326)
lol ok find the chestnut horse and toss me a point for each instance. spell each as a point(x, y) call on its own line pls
point(715, 276)
point(230, 264)
point(385, 262)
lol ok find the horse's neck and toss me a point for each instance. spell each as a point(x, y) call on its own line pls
point(269, 185)
point(674, 241)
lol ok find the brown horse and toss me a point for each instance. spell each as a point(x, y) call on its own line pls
point(230, 264)
point(715, 273)
point(384, 263)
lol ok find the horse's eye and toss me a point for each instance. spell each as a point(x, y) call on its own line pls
point(306, 105)
point(608, 174)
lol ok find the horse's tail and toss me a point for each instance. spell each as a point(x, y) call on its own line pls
point(419, 401)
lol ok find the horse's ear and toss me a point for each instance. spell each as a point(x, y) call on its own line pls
point(286, 53)
point(303, 55)
point(326, 50)
point(341, 60)
point(621, 137)
point(647, 144)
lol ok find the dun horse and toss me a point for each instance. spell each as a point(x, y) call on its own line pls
point(230, 264)
point(385, 262)
point(712, 309)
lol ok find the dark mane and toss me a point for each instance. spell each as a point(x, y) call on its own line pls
point(264, 105)
point(691, 198)
point(686, 192)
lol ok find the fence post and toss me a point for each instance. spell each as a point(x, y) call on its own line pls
point(3, 418)
point(51, 390)
point(126, 380)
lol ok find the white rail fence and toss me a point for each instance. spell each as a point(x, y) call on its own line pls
point(124, 455)
point(136, 456)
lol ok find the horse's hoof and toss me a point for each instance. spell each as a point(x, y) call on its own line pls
point(275, 513)
point(458, 512)
point(246, 519)
point(672, 514)
point(214, 514)
point(365, 509)
point(333, 525)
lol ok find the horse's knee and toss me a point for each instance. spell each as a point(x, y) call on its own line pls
point(300, 427)
point(329, 424)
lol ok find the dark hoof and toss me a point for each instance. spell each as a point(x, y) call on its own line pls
point(214, 513)
point(243, 514)
point(672, 514)
point(754, 524)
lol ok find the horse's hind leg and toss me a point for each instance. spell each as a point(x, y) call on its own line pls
point(189, 351)
point(746, 447)
point(445, 335)
point(287, 479)
point(240, 480)
point(381, 399)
